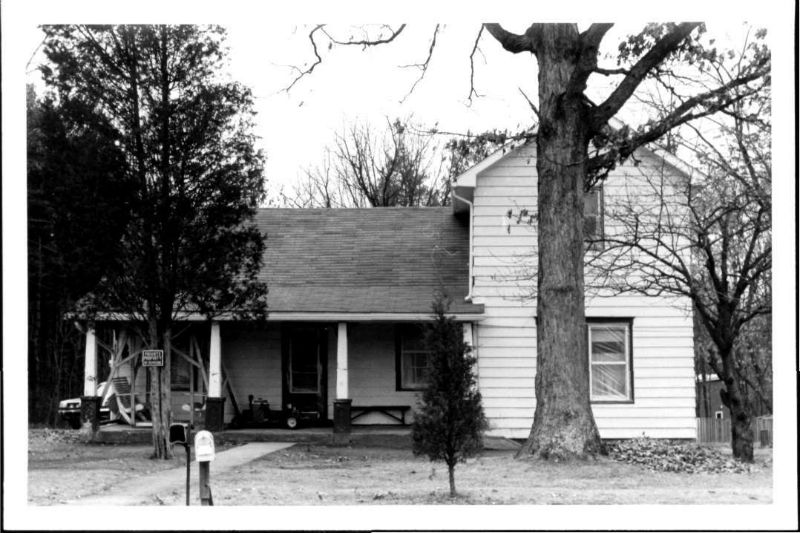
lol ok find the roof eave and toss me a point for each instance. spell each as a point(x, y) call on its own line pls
point(316, 316)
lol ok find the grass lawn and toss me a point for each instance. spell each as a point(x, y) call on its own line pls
point(61, 467)
point(311, 474)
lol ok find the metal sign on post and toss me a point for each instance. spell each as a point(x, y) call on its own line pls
point(152, 357)
point(204, 454)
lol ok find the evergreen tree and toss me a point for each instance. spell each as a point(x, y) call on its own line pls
point(450, 423)
point(186, 134)
point(79, 202)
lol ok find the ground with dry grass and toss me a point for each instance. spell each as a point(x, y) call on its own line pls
point(310, 474)
point(62, 467)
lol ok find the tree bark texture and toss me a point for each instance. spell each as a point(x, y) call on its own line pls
point(451, 475)
point(160, 409)
point(734, 400)
point(563, 425)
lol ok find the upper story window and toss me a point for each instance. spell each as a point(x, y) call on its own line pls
point(593, 214)
point(610, 362)
point(413, 359)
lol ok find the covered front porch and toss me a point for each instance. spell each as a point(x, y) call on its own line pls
point(360, 372)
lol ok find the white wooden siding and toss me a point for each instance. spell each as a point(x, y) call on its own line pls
point(663, 359)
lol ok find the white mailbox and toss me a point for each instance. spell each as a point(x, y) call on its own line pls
point(203, 446)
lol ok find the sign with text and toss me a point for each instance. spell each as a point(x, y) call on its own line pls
point(152, 357)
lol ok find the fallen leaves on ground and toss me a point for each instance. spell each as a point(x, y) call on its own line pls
point(664, 456)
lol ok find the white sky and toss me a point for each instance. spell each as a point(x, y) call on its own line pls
point(351, 84)
point(355, 84)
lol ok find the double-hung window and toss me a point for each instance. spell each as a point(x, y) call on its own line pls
point(610, 371)
point(413, 360)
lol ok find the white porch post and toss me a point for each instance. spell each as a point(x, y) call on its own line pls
point(215, 401)
point(90, 363)
point(342, 404)
point(342, 385)
point(215, 363)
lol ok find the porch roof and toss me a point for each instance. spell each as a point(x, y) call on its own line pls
point(378, 260)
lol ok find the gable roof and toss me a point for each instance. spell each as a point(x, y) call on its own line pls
point(464, 184)
point(378, 260)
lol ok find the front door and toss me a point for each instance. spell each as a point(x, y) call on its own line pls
point(304, 369)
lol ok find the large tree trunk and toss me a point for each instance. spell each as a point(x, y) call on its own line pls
point(160, 411)
point(563, 425)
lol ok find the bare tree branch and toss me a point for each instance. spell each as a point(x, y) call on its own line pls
point(587, 58)
point(422, 66)
point(530, 103)
point(369, 42)
point(708, 103)
point(510, 41)
point(472, 90)
point(664, 47)
point(611, 71)
point(318, 60)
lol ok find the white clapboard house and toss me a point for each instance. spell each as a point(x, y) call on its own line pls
point(348, 289)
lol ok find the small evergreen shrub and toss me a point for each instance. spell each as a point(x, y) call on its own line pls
point(449, 423)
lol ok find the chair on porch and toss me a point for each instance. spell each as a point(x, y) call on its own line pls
point(119, 402)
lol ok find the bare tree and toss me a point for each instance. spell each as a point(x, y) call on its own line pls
point(708, 237)
point(576, 149)
point(367, 168)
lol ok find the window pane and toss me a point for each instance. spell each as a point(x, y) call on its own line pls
point(591, 203)
point(414, 360)
point(590, 227)
point(419, 369)
point(608, 343)
point(608, 382)
point(591, 214)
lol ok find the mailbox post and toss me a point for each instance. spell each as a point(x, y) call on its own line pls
point(179, 434)
point(204, 454)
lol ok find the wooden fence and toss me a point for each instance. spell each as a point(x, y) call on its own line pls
point(719, 430)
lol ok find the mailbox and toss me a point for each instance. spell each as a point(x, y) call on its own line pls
point(204, 446)
point(179, 434)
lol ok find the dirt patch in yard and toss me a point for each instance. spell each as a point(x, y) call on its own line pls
point(309, 475)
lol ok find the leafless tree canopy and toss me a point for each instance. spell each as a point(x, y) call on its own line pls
point(707, 237)
point(367, 168)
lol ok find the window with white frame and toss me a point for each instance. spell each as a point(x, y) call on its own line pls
point(610, 378)
point(413, 360)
